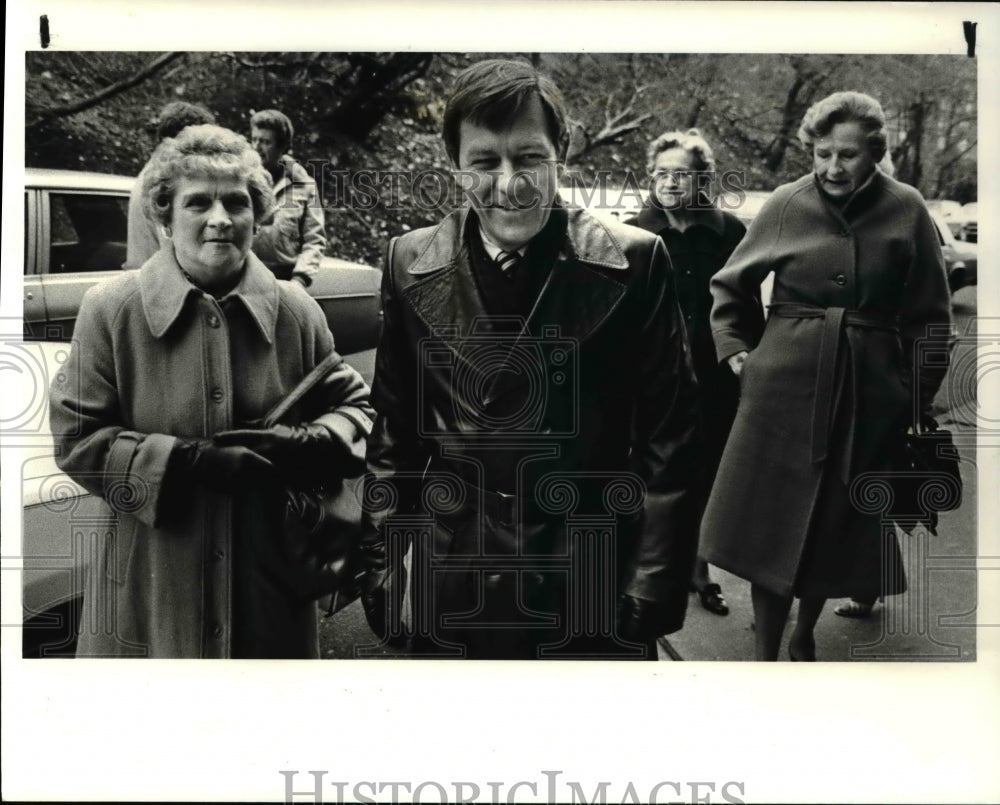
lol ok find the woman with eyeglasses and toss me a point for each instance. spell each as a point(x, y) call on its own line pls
point(699, 238)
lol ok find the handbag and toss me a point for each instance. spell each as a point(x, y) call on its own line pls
point(321, 523)
point(927, 478)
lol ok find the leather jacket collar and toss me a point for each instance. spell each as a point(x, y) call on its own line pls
point(587, 241)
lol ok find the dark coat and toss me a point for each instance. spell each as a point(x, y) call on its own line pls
point(827, 390)
point(697, 254)
point(154, 360)
point(585, 415)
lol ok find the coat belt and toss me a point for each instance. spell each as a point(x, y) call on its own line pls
point(834, 321)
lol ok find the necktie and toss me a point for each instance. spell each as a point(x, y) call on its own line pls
point(508, 263)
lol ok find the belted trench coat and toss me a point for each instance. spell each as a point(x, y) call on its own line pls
point(508, 450)
point(829, 388)
point(155, 360)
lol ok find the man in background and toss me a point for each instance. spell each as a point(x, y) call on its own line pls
point(144, 234)
point(293, 244)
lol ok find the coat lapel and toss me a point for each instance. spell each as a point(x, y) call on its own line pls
point(584, 287)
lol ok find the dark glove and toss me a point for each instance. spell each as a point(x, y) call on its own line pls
point(640, 620)
point(224, 469)
point(301, 449)
point(382, 582)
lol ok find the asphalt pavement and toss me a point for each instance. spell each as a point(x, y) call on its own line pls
point(933, 621)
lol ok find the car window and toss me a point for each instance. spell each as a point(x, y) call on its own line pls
point(87, 232)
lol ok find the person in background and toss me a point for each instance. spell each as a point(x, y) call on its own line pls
point(293, 243)
point(533, 360)
point(171, 367)
point(145, 235)
point(829, 389)
point(699, 239)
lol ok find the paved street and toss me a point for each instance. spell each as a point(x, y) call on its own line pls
point(933, 621)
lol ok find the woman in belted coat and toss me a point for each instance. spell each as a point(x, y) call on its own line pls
point(828, 390)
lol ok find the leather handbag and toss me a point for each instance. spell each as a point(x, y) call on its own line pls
point(321, 522)
point(928, 478)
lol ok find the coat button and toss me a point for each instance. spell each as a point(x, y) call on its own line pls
point(217, 395)
point(218, 554)
point(213, 321)
point(216, 631)
point(840, 279)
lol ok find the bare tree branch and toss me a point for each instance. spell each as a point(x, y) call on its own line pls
point(110, 91)
point(272, 64)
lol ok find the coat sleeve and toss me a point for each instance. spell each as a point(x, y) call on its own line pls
point(737, 315)
point(313, 234)
point(925, 315)
point(665, 451)
point(143, 235)
point(93, 446)
point(342, 399)
point(296, 235)
point(396, 455)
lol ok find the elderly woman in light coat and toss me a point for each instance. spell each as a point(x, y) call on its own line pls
point(828, 390)
point(171, 366)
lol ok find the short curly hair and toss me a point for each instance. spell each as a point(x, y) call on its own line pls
point(199, 151)
point(279, 123)
point(490, 93)
point(690, 141)
point(846, 107)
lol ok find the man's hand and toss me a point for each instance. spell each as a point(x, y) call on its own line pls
point(383, 586)
point(736, 362)
point(640, 620)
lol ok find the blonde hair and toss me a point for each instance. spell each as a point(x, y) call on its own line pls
point(205, 150)
point(847, 107)
point(690, 141)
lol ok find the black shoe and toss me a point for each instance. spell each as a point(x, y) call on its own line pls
point(712, 600)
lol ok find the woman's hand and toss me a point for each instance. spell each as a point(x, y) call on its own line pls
point(300, 451)
point(736, 361)
point(226, 469)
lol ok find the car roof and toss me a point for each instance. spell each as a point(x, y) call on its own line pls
point(50, 179)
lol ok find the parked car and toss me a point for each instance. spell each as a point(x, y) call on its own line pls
point(610, 203)
point(744, 205)
point(970, 227)
point(961, 260)
point(951, 212)
point(75, 234)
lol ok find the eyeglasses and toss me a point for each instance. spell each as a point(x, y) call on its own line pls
point(676, 175)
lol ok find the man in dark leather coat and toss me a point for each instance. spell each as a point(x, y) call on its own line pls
point(536, 432)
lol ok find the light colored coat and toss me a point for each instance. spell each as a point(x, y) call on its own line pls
point(154, 359)
point(293, 244)
point(826, 393)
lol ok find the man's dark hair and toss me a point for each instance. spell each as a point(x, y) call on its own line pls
point(492, 92)
point(277, 122)
point(178, 115)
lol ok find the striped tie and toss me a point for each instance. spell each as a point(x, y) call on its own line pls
point(508, 262)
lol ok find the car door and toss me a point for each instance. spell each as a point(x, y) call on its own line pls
point(34, 293)
point(81, 239)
